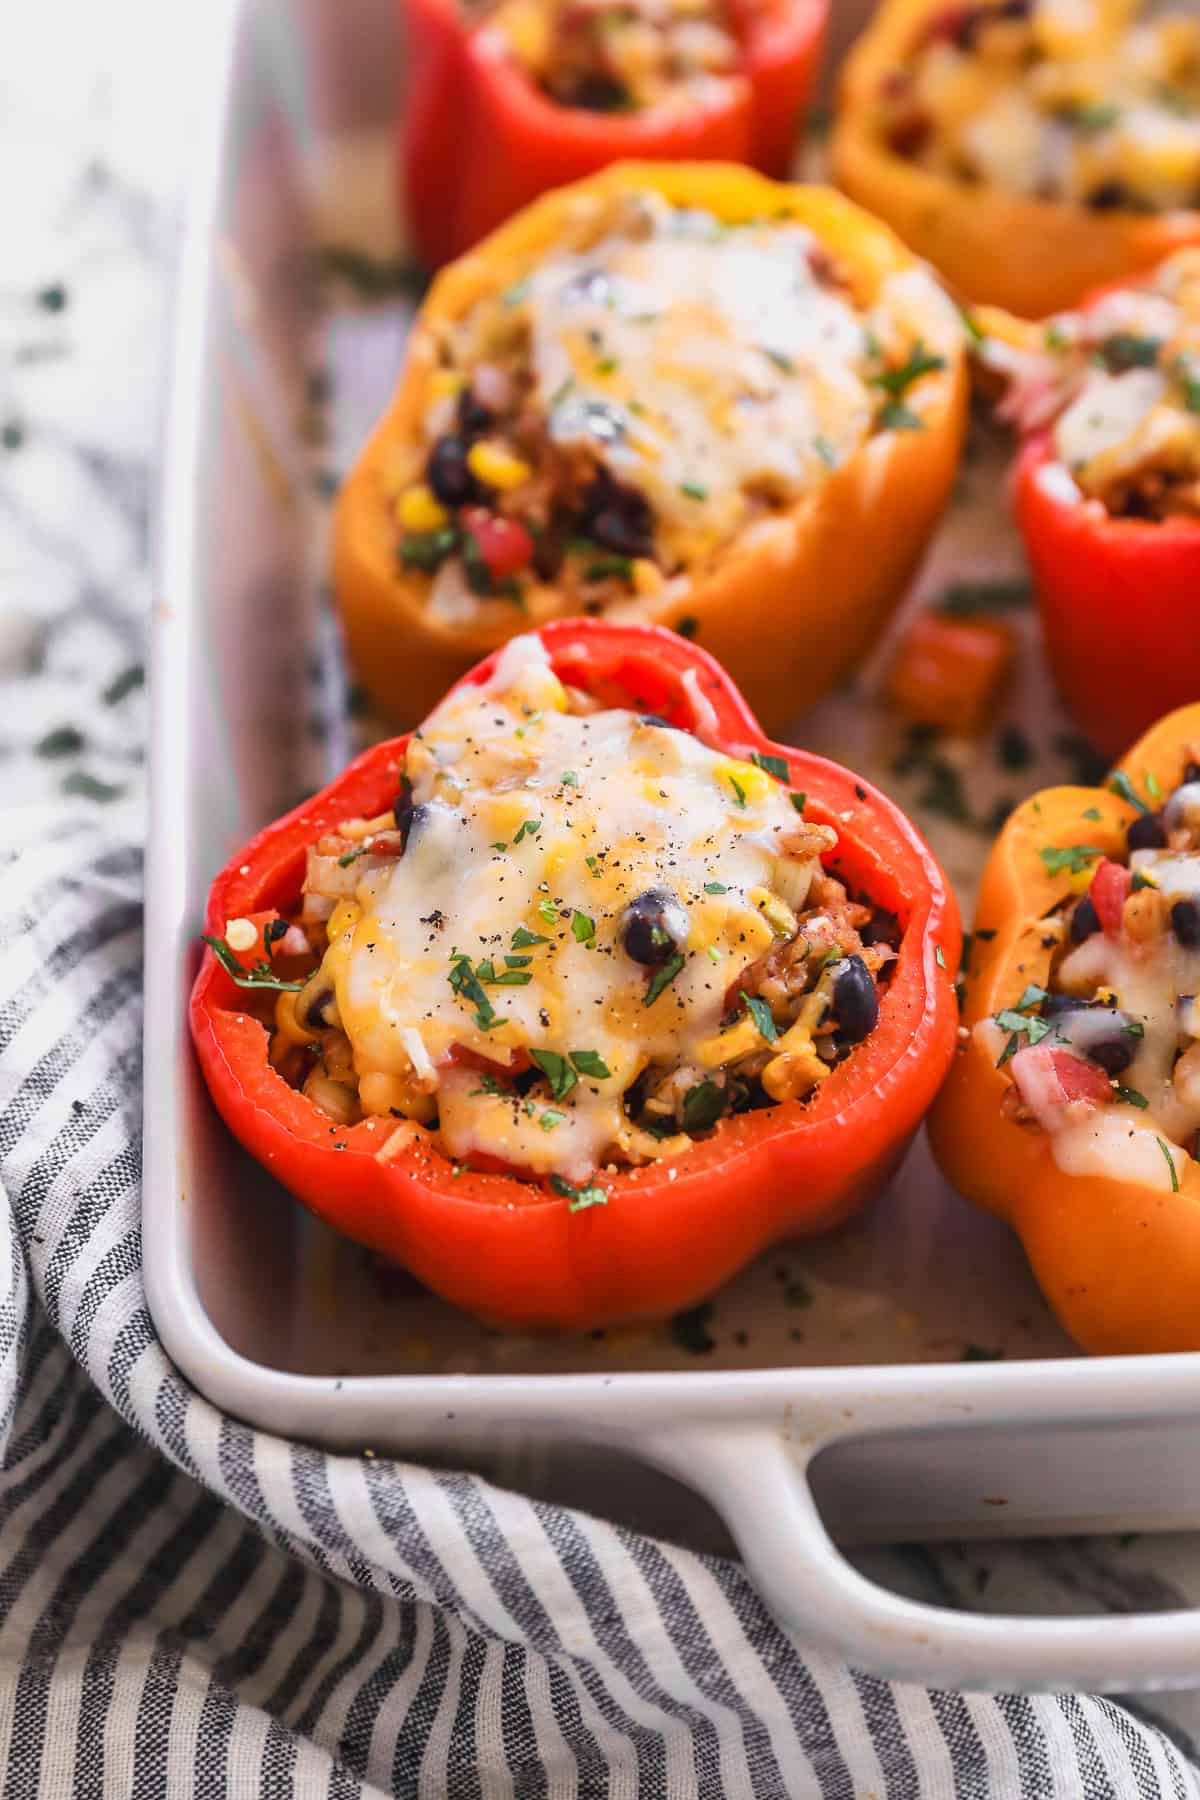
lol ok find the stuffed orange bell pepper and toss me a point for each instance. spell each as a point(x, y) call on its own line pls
point(1030, 151)
point(1108, 492)
point(586, 992)
point(678, 393)
point(507, 101)
point(1073, 1106)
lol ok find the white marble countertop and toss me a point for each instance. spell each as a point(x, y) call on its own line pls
point(96, 120)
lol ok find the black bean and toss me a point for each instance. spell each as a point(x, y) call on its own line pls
point(447, 473)
point(655, 925)
point(316, 1005)
point(1191, 771)
point(1110, 196)
point(473, 417)
point(409, 818)
point(1114, 1053)
point(1085, 920)
point(1185, 923)
point(618, 518)
point(855, 1000)
point(1147, 832)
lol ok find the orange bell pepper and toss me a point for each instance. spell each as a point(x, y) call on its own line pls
point(659, 1237)
point(949, 673)
point(1032, 256)
point(479, 139)
point(1118, 1260)
point(788, 621)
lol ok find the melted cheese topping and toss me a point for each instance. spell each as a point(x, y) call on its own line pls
point(621, 55)
point(702, 363)
point(537, 823)
point(1085, 100)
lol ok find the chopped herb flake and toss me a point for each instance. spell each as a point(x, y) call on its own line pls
point(663, 978)
point(693, 490)
point(799, 801)
point(522, 939)
point(1072, 859)
point(261, 975)
point(760, 1012)
point(1170, 1162)
point(772, 765)
point(580, 1197)
point(1131, 1096)
point(590, 1062)
point(715, 887)
point(702, 1106)
point(1120, 784)
point(557, 1070)
point(583, 929)
point(527, 828)
point(738, 789)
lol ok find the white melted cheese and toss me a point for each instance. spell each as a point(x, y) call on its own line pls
point(537, 820)
point(702, 361)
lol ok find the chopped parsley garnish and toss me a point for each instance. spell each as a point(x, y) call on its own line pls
point(663, 977)
point(349, 856)
point(1071, 859)
point(966, 599)
point(1018, 1022)
point(893, 415)
point(580, 1197)
point(1131, 1096)
point(1033, 996)
point(799, 801)
point(783, 363)
point(527, 828)
point(261, 975)
point(513, 296)
point(702, 1106)
point(569, 778)
point(693, 490)
point(428, 550)
point(760, 1012)
point(1093, 814)
point(590, 1062)
point(1141, 880)
point(1153, 785)
point(738, 789)
point(522, 939)
point(939, 957)
point(583, 929)
point(1170, 1162)
point(557, 1070)
point(466, 983)
point(546, 910)
point(1134, 1029)
point(489, 1085)
point(715, 887)
point(548, 1118)
point(772, 765)
point(825, 450)
point(1095, 115)
point(1188, 370)
point(1120, 784)
point(509, 977)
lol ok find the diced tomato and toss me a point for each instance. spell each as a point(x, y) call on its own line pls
point(504, 544)
point(1109, 891)
point(1052, 1079)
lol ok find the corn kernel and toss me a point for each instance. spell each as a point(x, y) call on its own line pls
point(728, 1046)
point(342, 919)
point(419, 509)
point(647, 576)
point(754, 786)
point(792, 1075)
point(496, 466)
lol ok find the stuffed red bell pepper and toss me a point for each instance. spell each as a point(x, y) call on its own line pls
point(585, 992)
point(1108, 493)
point(510, 99)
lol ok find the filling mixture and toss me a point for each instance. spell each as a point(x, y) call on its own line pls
point(578, 941)
point(1106, 1057)
point(621, 55)
point(1119, 386)
point(648, 391)
point(1092, 102)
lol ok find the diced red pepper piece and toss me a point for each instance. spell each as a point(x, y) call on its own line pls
point(505, 546)
point(1109, 891)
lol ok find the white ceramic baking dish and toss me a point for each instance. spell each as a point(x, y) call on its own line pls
point(833, 1398)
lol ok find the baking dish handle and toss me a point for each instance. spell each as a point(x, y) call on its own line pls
point(760, 1485)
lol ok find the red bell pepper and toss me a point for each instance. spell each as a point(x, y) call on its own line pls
point(479, 139)
point(512, 1250)
point(1119, 602)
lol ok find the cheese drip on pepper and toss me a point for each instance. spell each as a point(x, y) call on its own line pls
point(499, 936)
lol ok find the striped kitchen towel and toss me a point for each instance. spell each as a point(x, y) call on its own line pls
point(190, 1607)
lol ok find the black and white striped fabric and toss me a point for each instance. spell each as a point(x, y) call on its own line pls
point(189, 1607)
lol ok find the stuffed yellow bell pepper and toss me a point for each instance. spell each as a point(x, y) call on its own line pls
point(1073, 1107)
point(1032, 151)
point(673, 393)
